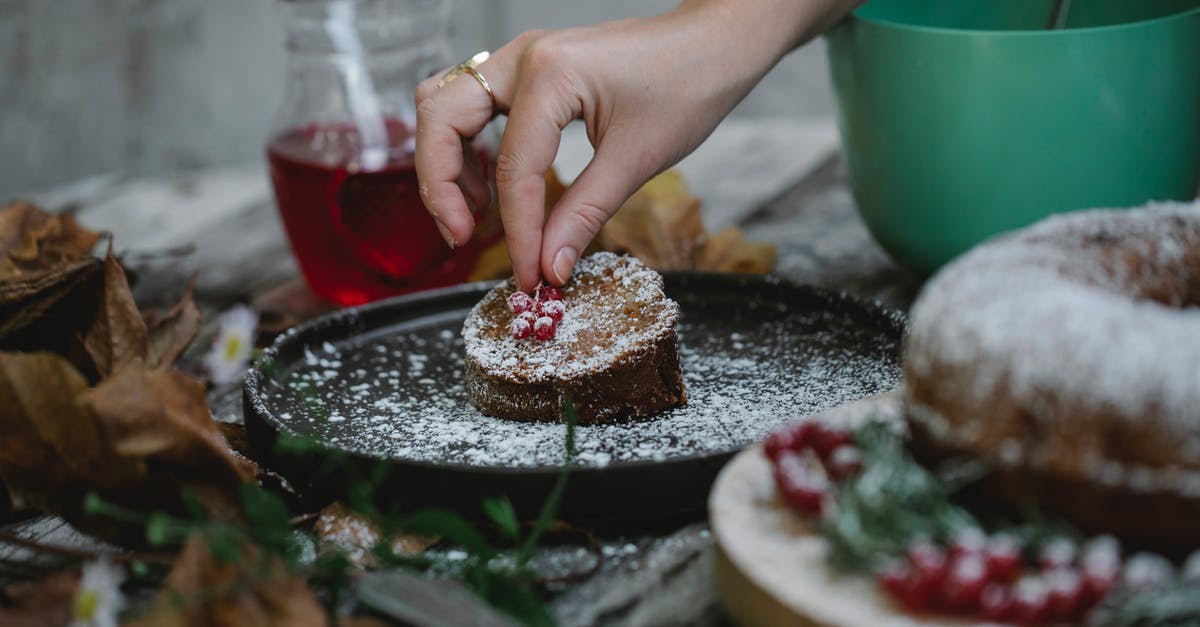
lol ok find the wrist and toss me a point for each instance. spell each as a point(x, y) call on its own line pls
point(767, 29)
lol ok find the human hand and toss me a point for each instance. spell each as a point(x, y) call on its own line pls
point(648, 90)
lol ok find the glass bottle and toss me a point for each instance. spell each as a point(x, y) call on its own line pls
point(341, 157)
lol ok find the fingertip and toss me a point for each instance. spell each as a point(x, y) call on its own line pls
point(446, 203)
point(526, 277)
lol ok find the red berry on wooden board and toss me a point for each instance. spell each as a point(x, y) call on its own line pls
point(825, 439)
point(789, 437)
point(1066, 594)
point(544, 328)
point(1100, 566)
point(1003, 554)
point(800, 484)
point(930, 566)
point(1057, 553)
point(894, 577)
point(901, 580)
point(996, 602)
point(968, 540)
point(520, 302)
point(844, 461)
point(777, 442)
point(965, 581)
point(1031, 600)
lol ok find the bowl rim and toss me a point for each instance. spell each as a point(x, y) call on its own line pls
point(1040, 32)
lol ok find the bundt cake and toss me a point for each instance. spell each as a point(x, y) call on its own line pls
point(1067, 357)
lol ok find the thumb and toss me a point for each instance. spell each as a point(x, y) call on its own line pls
point(597, 193)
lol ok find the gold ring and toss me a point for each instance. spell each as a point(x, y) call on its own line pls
point(468, 67)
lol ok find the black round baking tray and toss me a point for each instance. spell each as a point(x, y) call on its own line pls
point(370, 384)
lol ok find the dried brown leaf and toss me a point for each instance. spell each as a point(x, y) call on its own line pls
point(659, 224)
point(53, 447)
point(493, 264)
point(138, 439)
point(162, 416)
point(728, 251)
point(118, 333)
point(356, 535)
point(33, 241)
point(46, 272)
point(171, 334)
point(255, 589)
point(27, 300)
point(45, 603)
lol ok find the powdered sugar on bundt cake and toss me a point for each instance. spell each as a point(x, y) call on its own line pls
point(618, 322)
point(1071, 348)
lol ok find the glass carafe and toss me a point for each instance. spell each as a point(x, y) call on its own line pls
point(341, 157)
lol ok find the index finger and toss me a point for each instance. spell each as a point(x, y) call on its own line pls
point(527, 150)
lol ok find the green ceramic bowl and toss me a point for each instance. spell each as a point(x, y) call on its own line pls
point(961, 119)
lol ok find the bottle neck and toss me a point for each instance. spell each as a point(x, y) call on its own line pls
point(326, 27)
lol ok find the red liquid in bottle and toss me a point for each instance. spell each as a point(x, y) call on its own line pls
point(359, 236)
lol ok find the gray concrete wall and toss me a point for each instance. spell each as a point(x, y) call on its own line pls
point(149, 86)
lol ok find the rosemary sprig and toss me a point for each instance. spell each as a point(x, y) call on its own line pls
point(1176, 604)
point(893, 501)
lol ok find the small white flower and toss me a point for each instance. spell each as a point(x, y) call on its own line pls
point(98, 599)
point(230, 354)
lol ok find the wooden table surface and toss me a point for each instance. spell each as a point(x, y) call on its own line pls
point(221, 226)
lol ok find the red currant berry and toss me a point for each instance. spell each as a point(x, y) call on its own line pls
point(996, 602)
point(968, 540)
point(547, 292)
point(1030, 601)
point(1066, 594)
point(965, 581)
point(1100, 562)
point(929, 564)
point(893, 577)
point(844, 461)
point(826, 439)
point(554, 309)
point(544, 328)
point(520, 302)
point(780, 440)
point(790, 437)
point(800, 485)
point(900, 581)
point(1003, 555)
point(520, 328)
point(1057, 553)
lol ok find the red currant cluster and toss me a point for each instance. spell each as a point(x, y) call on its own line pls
point(809, 457)
point(536, 315)
point(989, 577)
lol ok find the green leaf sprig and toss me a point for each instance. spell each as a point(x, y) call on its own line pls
point(894, 500)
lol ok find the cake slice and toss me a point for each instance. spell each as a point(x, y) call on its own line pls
point(608, 341)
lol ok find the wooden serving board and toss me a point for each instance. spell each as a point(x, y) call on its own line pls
point(771, 566)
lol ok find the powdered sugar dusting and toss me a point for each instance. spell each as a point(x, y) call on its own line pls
point(748, 366)
point(1078, 308)
point(588, 336)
